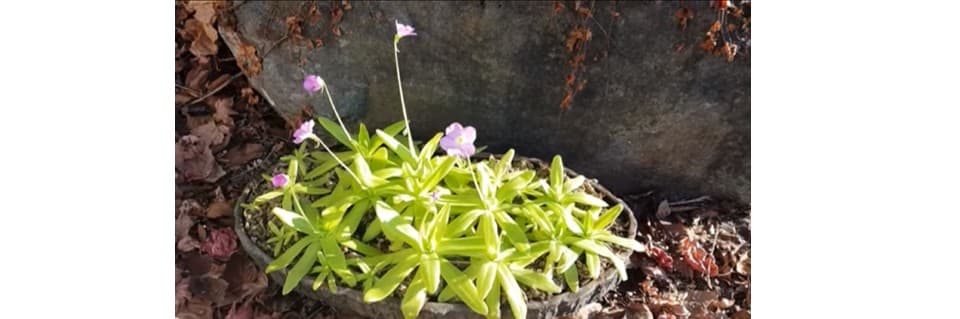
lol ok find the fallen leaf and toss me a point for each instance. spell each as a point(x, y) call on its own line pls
point(662, 257)
point(196, 309)
point(222, 110)
point(187, 244)
point(182, 226)
point(244, 277)
point(243, 312)
point(313, 16)
point(182, 294)
point(214, 135)
point(219, 209)
point(223, 78)
point(697, 258)
point(208, 288)
point(558, 7)
point(742, 314)
point(247, 60)
point(204, 37)
point(249, 96)
point(195, 161)
point(241, 154)
point(190, 207)
point(196, 77)
point(195, 264)
point(182, 98)
point(743, 265)
point(221, 244)
point(638, 310)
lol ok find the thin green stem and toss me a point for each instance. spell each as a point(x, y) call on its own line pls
point(337, 158)
point(403, 104)
point(326, 89)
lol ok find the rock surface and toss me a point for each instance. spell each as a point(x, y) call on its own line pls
point(649, 117)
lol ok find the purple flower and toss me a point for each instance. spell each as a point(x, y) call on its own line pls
point(302, 133)
point(404, 30)
point(313, 83)
point(459, 140)
point(280, 180)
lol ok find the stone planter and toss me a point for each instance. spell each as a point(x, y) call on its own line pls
point(351, 300)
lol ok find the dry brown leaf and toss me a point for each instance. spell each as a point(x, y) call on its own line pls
point(248, 95)
point(313, 16)
point(183, 98)
point(223, 78)
point(222, 110)
point(182, 294)
point(195, 161)
point(182, 226)
point(195, 264)
point(247, 60)
point(742, 314)
point(243, 312)
point(195, 309)
point(190, 207)
point(196, 77)
point(209, 288)
point(187, 244)
point(204, 37)
point(683, 15)
point(242, 154)
point(639, 310)
point(215, 135)
point(244, 277)
point(219, 209)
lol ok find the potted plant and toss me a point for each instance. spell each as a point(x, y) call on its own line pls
point(389, 228)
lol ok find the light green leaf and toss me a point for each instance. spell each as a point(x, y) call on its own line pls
point(463, 222)
point(593, 265)
point(287, 257)
point(536, 280)
point(556, 174)
point(472, 246)
point(462, 287)
point(391, 130)
point(487, 229)
point(486, 277)
point(267, 196)
point(506, 161)
point(430, 267)
point(572, 277)
point(439, 173)
point(512, 291)
point(414, 298)
point(336, 131)
point(294, 220)
point(586, 199)
point(385, 286)
point(514, 231)
point(396, 227)
point(334, 258)
point(628, 243)
point(430, 147)
point(493, 301)
point(573, 184)
point(608, 217)
point(396, 147)
point(363, 136)
point(301, 268)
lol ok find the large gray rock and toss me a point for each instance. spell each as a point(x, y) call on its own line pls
point(649, 116)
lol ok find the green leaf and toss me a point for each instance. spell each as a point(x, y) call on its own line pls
point(506, 161)
point(294, 220)
point(514, 231)
point(362, 169)
point(463, 222)
point(385, 286)
point(573, 184)
point(567, 215)
point(586, 199)
point(267, 196)
point(397, 228)
point(414, 298)
point(397, 147)
point(593, 265)
point(493, 301)
point(472, 246)
point(363, 136)
point(349, 224)
point(334, 258)
point(512, 291)
point(301, 268)
point(556, 173)
point(536, 280)
point(486, 277)
point(462, 287)
point(287, 257)
point(336, 131)
point(608, 217)
point(391, 130)
point(430, 147)
point(320, 279)
point(572, 277)
point(628, 243)
point(439, 173)
point(430, 267)
point(487, 229)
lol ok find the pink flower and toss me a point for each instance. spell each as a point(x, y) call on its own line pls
point(220, 244)
point(313, 83)
point(305, 131)
point(404, 30)
point(458, 140)
point(280, 180)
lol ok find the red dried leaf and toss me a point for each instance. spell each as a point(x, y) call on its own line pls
point(558, 7)
point(662, 257)
point(697, 258)
point(570, 79)
point(221, 244)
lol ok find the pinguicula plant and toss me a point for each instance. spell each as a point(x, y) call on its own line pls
point(381, 214)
